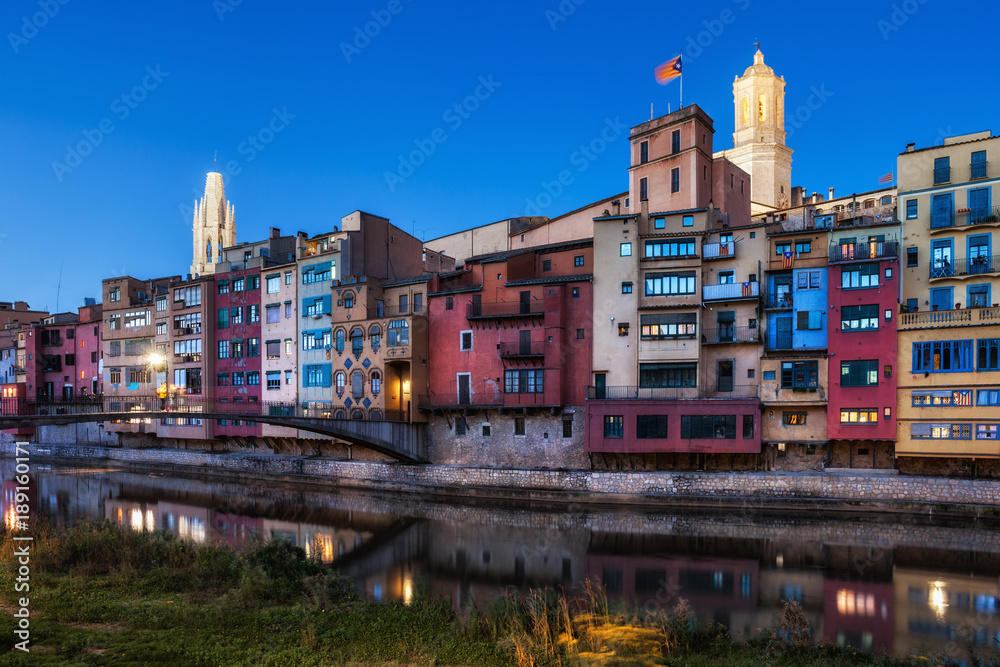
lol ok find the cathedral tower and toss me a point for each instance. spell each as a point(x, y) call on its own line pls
point(214, 226)
point(759, 138)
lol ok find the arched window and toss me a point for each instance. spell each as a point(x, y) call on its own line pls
point(340, 414)
point(348, 299)
point(375, 415)
point(376, 383)
point(358, 414)
point(375, 334)
point(340, 341)
point(762, 104)
point(357, 341)
point(746, 110)
point(357, 384)
point(869, 203)
point(208, 251)
point(340, 382)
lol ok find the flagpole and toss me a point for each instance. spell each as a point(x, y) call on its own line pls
point(681, 77)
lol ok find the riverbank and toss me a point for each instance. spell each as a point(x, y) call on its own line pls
point(101, 593)
point(848, 491)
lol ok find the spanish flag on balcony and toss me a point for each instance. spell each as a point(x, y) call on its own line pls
point(668, 71)
point(787, 259)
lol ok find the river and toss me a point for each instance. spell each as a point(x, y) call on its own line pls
point(897, 583)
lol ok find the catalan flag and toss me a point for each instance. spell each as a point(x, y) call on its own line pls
point(885, 179)
point(787, 259)
point(962, 397)
point(668, 71)
point(746, 289)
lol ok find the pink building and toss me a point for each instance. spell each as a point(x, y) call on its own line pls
point(63, 354)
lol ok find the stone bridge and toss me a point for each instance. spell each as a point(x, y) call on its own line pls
point(403, 441)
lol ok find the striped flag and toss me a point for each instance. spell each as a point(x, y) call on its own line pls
point(787, 259)
point(747, 289)
point(885, 179)
point(668, 71)
point(961, 397)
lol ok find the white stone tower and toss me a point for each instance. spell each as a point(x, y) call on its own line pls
point(759, 138)
point(214, 226)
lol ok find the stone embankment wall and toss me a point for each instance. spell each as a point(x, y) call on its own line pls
point(853, 489)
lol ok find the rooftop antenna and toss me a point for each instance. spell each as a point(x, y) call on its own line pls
point(59, 286)
point(650, 111)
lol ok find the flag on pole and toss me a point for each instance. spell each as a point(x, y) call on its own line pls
point(787, 259)
point(668, 71)
point(885, 179)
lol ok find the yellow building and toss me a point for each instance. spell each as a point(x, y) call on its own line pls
point(949, 331)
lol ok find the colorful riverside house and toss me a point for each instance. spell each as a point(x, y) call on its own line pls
point(509, 346)
point(380, 348)
point(676, 308)
point(949, 330)
point(794, 365)
point(63, 355)
point(279, 330)
point(861, 334)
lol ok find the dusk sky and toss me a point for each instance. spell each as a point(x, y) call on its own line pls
point(113, 112)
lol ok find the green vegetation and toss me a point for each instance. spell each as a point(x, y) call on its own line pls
point(101, 594)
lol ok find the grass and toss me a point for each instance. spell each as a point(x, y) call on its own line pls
point(101, 594)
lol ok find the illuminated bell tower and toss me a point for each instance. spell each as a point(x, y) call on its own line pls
point(214, 226)
point(759, 137)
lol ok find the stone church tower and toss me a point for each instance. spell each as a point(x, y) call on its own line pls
point(759, 138)
point(214, 226)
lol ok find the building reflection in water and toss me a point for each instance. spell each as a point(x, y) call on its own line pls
point(900, 585)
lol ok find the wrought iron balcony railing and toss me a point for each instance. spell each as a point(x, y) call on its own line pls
point(535, 348)
point(731, 334)
point(505, 309)
point(731, 291)
point(980, 264)
point(624, 393)
point(856, 252)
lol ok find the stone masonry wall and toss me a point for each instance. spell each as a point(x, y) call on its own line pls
point(598, 485)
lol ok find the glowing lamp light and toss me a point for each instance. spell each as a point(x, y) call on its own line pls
point(406, 386)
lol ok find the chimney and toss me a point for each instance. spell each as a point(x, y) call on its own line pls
point(910, 148)
point(275, 232)
point(831, 193)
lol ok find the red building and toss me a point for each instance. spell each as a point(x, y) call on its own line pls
point(509, 348)
point(12, 396)
point(63, 355)
point(237, 344)
point(864, 302)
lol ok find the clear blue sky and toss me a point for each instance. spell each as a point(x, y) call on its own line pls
point(893, 77)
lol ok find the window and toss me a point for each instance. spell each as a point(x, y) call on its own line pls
point(659, 223)
point(222, 379)
point(273, 380)
point(273, 284)
point(138, 318)
point(614, 426)
point(524, 381)
point(238, 284)
point(579, 334)
point(942, 170)
point(253, 282)
point(348, 300)
point(643, 190)
point(115, 294)
point(942, 356)
point(316, 375)
point(115, 349)
point(684, 247)
point(317, 306)
point(465, 341)
point(253, 347)
point(938, 397)
point(861, 276)
point(687, 221)
point(253, 378)
point(376, 379)
point(978, 165)
point(546, 266)
point(161, 328)
point(253, 313)
point(747, 426)
point(941, 431)
point(793, 418)
point(988, 354)
point(288, 309)
point(236, 349)
point(288, 277)
point(236, 315)
point(317, 273)
point(799, 374)
point(461, 427)
point(449, 303)
point(626, 249)
point(578, 260)
point(675, 141)
point(273, 349)
point(806, 280)
point(668, 375)
point(398, 333)
point(862, 416)
point(223, 286)
point(986, 431)
point(727, 277)
point(942, 211)
point(668, 325)
point(644, 152)
point(860, 373)
point(273, 313)
point(675, 180)
point(648, 427)
point(161, 304)
point(339, 345)
point(979, 296)
point(190, 296)
point(859, 318)
point(626, 288)
point(809, 320)
point(803, 247)
point(911, 256)
point(708, 426)
point(911, 209)
point(519, 426)
point(223, 349)
point(782, 248)
point(658, 284)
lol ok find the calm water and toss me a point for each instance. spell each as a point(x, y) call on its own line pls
point(892, 583)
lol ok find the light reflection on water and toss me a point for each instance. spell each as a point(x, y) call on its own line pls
point(900, 584)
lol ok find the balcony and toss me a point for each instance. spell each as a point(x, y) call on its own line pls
point(858, 252)
point(964, 267)
point(535, 348)
point(187, 358)
point(981, 216)
point(781, 301)
point(531, 308)
point(718, 250)
point(730, 291)
point(728, 335)
point(624, 393)
point(977, 170)
point(397, 311)
point(485, 399)
point(949, 318)
point(942, 175)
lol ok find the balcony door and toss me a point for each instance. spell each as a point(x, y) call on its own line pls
point(464, 389)
point(941, 299)
point(725, 375)
point(727, 326)
point(525, 342)
point(783, 333)
point(942, 260)
point(600, 385)
point(525, 303)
